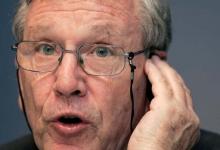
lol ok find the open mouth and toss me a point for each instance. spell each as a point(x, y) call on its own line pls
point(70, 120)
point(68, 125)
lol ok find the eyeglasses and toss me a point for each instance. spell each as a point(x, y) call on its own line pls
point(94, 59)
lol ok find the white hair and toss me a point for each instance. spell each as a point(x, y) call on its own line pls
point(154, 18)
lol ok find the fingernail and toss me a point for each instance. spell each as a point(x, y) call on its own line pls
point(147, 64)
point(155, 58)
point(149, 61)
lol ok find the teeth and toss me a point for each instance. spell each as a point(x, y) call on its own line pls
point(68, 117)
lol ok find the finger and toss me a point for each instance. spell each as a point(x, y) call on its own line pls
point(188, 95)
point(174, 80)
point(160, 87)
point(172, 74)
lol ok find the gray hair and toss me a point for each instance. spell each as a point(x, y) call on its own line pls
point(154, 17)
point(156, 23)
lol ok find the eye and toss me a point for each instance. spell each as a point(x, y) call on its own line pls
point(103, 51)
point(46, 49)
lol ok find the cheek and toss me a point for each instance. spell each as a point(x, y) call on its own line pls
point(118, 100)
point(113, 100)
point(36, 88)
point(139, 91)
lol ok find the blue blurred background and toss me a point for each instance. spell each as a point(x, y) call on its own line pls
point(194, 52)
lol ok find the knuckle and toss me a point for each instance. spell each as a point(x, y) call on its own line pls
point(169, 92)
point(196, 120)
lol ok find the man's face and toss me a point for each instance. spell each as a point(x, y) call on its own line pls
point(101, 105)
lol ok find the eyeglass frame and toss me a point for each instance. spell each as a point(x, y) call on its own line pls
point(129, 55)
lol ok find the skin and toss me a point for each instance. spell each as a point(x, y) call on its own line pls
point(171, 123)
point(98, 98)
point(69, 88)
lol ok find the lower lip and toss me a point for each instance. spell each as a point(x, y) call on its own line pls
point(69, 130)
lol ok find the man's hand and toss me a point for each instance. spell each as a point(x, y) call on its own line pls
point(170, 123)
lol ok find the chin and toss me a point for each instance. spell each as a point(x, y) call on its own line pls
point(50, 144)
point(57, 142)
point(55, 146)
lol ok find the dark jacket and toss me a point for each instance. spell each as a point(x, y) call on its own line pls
point(208, 141)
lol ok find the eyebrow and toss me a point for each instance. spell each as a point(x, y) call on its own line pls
point(38, 30)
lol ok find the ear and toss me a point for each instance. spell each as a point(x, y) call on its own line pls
point(161, 53)
point(20, 103)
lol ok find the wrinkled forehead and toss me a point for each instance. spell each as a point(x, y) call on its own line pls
point(123, 6)
point(124, 10)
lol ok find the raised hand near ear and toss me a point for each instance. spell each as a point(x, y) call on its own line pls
point(170, 123)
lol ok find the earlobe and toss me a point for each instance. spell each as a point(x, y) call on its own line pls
point(160, 53)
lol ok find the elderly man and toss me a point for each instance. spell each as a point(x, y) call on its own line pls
point(92, 76)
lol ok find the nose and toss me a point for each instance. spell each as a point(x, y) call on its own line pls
point(69, 77)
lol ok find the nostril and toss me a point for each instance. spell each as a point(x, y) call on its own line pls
point(77, 92)
point(74, 93)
